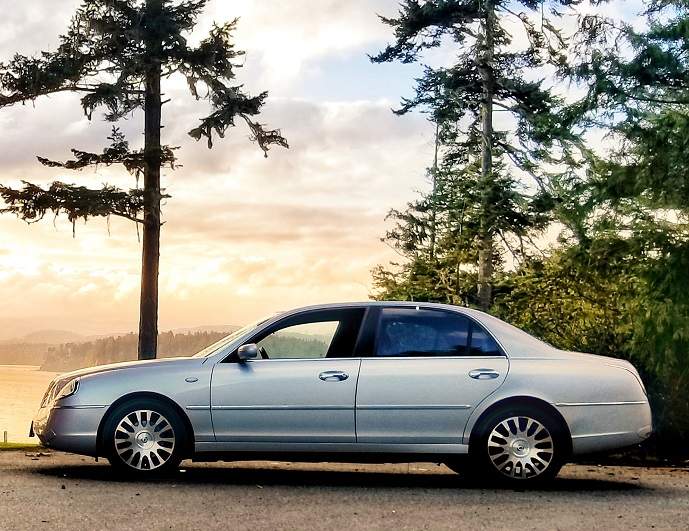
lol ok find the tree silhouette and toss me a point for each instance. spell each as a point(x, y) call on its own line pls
point(116, 54)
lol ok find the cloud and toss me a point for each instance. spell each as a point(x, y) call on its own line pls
point(289, 38)
point(243, 235)
point(31, 27)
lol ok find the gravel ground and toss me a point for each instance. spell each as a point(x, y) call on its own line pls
point(55, 490)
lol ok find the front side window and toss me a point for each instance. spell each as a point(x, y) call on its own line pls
point(311, 340)
point(328, 333)
point(422, 332)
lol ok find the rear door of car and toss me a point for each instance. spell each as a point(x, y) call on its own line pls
point(304, 388)
point(430, 368)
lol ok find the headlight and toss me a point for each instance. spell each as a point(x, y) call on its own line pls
point(59, 389)
point(68, 390)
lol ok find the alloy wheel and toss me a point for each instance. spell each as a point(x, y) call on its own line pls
point(144, 439)
point(520, 447)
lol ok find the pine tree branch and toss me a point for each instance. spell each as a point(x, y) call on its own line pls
point(32, 203)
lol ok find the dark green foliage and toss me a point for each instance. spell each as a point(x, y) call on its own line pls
point(650, 166)
point(630, 71)
point(478, 206)
point(423, 24)
point(637, 85)
point(621, 297)
point(32, 202)
point(117, 153)
point(577, 299)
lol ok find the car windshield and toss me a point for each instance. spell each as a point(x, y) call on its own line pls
point(212, 349)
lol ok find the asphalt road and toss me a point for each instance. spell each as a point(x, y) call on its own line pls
point(54, 490)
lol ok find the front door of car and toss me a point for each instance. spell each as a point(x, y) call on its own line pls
point(302, 389)
point(430, 370)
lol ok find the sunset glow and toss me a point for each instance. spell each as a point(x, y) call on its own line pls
point(242, 235)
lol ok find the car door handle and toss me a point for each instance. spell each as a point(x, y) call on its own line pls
point(484, 374)
point(333, 376)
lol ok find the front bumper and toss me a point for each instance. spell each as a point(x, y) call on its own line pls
point(72, 429)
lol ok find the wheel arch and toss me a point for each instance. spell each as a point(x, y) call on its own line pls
point(524, 401)
point(188, 428)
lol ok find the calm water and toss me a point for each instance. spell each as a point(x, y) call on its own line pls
point(21, 390)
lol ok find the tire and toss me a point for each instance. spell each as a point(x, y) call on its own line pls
point(144, 437)
point(518, 446)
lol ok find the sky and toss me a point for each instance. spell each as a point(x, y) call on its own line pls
point(243, 235)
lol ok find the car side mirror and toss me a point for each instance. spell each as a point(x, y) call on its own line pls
point(247, 352)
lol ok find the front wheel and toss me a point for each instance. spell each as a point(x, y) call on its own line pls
point(518, 445)
point(144, 437)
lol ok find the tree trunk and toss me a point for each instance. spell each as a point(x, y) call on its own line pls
point(434, 195)
point(486, 249)
point(150, 259)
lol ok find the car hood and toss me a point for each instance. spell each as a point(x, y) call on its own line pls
point(139, 364)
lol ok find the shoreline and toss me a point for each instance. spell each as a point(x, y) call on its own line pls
point(22, 388)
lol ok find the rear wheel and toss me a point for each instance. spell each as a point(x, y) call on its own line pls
point(144, 437)
point(518, 445)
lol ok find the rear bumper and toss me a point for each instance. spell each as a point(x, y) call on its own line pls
point(602, 427)
point(601, 442)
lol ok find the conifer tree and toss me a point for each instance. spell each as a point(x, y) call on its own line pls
point(484, 159)
point(117, 54)
point(637, 83)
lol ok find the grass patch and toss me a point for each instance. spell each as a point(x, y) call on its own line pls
point(18, 446)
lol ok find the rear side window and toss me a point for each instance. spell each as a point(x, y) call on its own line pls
point(422, 332)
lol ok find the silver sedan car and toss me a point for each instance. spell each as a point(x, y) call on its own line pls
point(360, 382)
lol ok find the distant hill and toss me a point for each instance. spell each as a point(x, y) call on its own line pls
point(13, 330)
point(225, 329)
point(61, 350)
point(33, 347)
point(63, 337)
point(53, 337)
point(23, 353)
point(124, 348)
